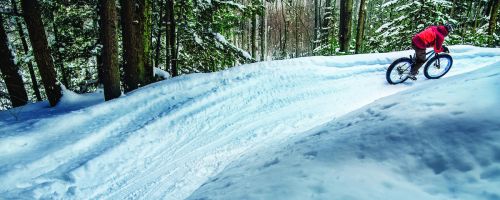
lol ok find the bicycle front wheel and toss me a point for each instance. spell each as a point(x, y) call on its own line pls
point(438, 66)
point(398, 71)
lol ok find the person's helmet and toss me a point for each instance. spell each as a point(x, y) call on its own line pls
point(449, 27)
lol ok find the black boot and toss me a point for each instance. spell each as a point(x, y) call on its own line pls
point(413, 75)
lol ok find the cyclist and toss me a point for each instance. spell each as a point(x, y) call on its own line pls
point(431, 36)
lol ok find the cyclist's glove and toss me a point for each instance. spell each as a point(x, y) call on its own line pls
point(445, 49)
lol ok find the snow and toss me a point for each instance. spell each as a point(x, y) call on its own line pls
point(383, 27)
point(167, 139)
point(389, 3)
point(234, 4)
point(439, 140)
point(221, 39)
point(161, 73)
point(198, 40)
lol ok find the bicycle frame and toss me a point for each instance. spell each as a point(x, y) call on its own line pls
point(428, 56)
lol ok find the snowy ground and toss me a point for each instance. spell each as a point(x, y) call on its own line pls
point(167, 139)
point(436, 141)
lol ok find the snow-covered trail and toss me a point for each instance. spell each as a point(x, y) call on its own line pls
point(165, 140)
point(432, 142)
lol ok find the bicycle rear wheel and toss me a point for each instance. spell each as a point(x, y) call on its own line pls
point(438, 66)
point(398, 71)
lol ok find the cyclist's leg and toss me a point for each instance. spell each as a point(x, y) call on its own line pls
point(420, 59)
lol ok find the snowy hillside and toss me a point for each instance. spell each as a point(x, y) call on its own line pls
point(437, 141)
point(167, 139)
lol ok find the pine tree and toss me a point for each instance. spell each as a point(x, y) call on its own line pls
point(143, 34)
point(130, 50)
point(202, 28)
point(317, 23)
point(24, 43)
point(32, 16)
point(345, 25)
point(159, 31)
point(109, 57)
point(493, 17)
point(405, 21)
point(171, 38)
point(361, 25)
point(263, 32)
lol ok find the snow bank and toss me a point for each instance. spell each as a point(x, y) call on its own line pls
point(440, 140)
point(166, 139)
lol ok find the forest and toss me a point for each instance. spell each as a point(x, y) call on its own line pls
point(47, 46)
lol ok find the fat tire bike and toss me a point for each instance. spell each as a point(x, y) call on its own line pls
point(436, 66)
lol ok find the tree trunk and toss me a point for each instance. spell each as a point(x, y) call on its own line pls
point(488, 7)
point(10, 72)
point(297, 15)
point(327, 18)
point(143, 34)
point(493, 17)
point(130, 51)
point(285, 31)
point(171, 38)
point(345, 25)
point(334, 9)
point(263, 32)
point(32, 16)
point(254, 36)
point(242, 35)
point(109, 52)
point(279, 37)
point(158, 36)
point(316, 23)
point(477, 14)
point(361, 26)
point(249, 35)
point(31, 70)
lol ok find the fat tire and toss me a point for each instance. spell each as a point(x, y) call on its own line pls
point(432, 60)
point(391, 67)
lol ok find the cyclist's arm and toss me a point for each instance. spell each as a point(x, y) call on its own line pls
point(438, 46)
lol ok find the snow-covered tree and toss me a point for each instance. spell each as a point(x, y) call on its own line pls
point(405, 19)
point(203, 26)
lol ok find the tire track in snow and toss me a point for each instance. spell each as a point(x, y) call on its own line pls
point(90, 142)
point(140, 192)
point(166, 155)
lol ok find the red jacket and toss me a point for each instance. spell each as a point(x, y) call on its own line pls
point(431, 36)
